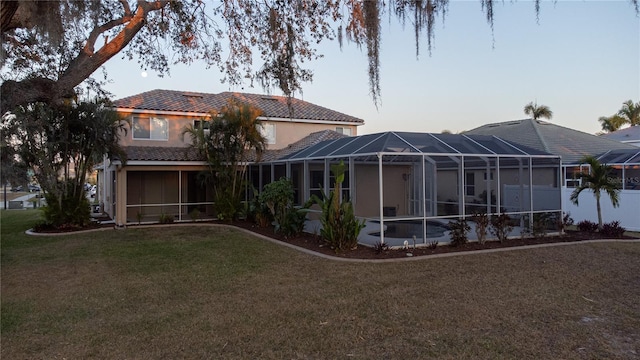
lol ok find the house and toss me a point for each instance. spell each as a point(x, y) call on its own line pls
point(630, 135)
point(410, 185)
point(161, 172)
point(572, 145)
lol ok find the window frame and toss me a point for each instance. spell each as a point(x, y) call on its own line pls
point(269, 140)
point(150, 119)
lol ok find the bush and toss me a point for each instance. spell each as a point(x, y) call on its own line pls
point(501, 226)
point(72, 210)
point(379, 247)
point(540, 222)
point(459, 230)
point(612, 229)
point(277, 197)
point(340, 227)
point(482, 224)
point(587, 226)
point(565, 222)
point(165, 219)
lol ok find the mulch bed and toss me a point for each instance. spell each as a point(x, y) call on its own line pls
point(312, 242)
point(315, 243)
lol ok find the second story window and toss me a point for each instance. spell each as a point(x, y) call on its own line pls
point(205, 125)
point(269, 132)
point(343, 130)
point(150, 128)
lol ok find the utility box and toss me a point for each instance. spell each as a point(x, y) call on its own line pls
point(15, 204)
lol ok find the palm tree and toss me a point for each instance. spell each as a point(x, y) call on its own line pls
point(612, 123)
point(630, 112)
point(538, 111)
point(597, 180)
point(233, 135)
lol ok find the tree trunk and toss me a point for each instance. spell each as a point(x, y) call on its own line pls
point(599, 210)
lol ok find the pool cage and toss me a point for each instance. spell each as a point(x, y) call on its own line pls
point(410, 185)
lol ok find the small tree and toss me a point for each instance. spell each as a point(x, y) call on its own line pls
point(597, 180)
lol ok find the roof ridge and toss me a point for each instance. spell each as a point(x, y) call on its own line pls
point(542, 139)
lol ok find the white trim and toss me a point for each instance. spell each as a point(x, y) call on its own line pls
point(160, 163)
point(313, 121)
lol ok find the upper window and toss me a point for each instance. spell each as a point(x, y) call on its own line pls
point(205, 125)
point(150, 128)
point(269, 132)
point(343, 130)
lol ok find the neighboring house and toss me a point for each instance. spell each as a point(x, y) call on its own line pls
point(630, 135)
point(572, 145)
point(161, 173)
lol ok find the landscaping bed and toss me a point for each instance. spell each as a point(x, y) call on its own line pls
point(315, 243)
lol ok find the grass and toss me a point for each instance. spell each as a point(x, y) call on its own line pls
point(206, 292)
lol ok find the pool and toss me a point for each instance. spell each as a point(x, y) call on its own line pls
point(407, 229)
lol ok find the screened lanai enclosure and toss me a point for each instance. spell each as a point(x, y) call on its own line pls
point(408, 185)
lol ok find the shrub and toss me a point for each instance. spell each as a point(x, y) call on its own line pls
point(432, 244)
point(71, 210)
point(564, 222)
point(539, 228)
point(482, 224)
point(277, 197)
point(340, 227)
point(501, 226)
point(165, 219)
point(612, 229)
point(380, 247)
point(587, 226)
point(195, 214)
point(459, 230)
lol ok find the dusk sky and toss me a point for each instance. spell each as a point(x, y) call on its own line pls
point(582, 60)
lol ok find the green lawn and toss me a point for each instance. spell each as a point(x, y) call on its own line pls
point(208, 292)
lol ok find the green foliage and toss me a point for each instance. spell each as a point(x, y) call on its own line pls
point(501, 226)
point(538, 111)
point(340, 226)
point(459, 231)
point(587, 226)
point(195, 214)
point(540, 225)
point(62, 144)
point(68, 209)
point(612, 229)
point(165, 219)
point(564, 222)
point(597, 180)
point(482, 224)
point(380, 247)
point(226, 142)
point(277, 197)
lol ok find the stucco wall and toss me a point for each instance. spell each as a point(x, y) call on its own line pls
point(396, 189)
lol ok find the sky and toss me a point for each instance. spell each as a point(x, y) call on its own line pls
point(581, 59)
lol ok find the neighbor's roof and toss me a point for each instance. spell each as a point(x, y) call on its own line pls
point(571, 145)
point(630, 134)
point(413, 143)
point(203, 103)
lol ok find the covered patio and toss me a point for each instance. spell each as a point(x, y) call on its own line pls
point(412, 184)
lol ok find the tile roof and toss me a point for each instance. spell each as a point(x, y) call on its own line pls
point(570, 144)
point(161, 153)
point(632, 133)
point(158, 153)
point(272, 106)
